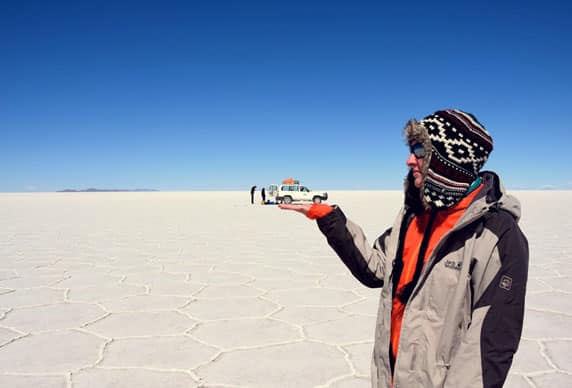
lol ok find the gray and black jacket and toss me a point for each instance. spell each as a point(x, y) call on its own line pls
point(463, 319)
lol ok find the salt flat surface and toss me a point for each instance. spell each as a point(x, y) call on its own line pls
point(193, 289)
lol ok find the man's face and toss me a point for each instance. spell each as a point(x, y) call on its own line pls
point(415, 163)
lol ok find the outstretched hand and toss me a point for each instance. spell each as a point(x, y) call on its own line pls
point(300, 208)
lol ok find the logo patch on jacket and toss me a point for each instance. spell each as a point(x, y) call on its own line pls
point(453, 264)
point(506, 282)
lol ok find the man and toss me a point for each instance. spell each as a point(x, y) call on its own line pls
point(453, 268)
point(252, 190)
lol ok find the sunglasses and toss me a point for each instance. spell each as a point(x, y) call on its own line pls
point(418, 150)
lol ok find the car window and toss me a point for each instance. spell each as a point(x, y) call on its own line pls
point(294, 188)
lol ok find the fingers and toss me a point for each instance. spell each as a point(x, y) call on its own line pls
point(288, 206)
point(299, 208)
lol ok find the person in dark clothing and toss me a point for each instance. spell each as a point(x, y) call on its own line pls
point(252, 190)
point(263, 193)
point(452, 269)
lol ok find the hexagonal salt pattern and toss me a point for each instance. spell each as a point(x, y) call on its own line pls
point(231, 308)
point(549, 301)
point(138, 324)
point(31, 281)
point(177, 352)
point(529, 358)
point(53, 317)
point(351, 382)
point(542, 359)
point(246, 333)
point(559, 353)
point(516, 381)
point(536, 323)
point(228, 292)
point(146, 303)
point(7, 335)
point(219, 277)
point(58, 352)
point(278, 366)
point(360, 357)
point(347, 330)
point(304, 315)
point(203, 289)
point(87, 279)
point(31, 297)
point(177, 288)
point(104, 292)
point(313, 297)
point(554, 379)
point(126, 378)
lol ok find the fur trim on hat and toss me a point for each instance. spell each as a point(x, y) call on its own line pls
point(416, 133)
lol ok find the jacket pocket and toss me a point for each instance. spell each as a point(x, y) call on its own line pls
point(442, 285)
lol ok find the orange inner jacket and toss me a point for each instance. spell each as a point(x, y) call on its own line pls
point(444, 221)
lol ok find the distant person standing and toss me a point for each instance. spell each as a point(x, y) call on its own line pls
point(252, 190)
point(263, 193)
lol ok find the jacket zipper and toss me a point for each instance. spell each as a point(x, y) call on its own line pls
point(423, 249)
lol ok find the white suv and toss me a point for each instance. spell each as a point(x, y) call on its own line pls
point(289, 193)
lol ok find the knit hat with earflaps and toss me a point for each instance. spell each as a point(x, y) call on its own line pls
point(457, 147)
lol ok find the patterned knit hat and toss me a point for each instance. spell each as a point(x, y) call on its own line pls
point(460, 146)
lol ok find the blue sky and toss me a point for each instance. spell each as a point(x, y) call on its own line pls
point(222, 95)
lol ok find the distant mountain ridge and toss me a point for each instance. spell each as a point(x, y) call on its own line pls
point(92, 190)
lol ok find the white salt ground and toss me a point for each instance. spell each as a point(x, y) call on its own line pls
point(189, 289)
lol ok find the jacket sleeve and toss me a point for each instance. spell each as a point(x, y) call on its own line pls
point(368, 264)
point(485, 354)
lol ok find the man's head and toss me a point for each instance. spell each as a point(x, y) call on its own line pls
point(456, 146)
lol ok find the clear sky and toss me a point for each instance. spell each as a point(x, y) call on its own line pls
point(223, 95)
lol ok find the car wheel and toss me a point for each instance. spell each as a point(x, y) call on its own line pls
point(287, 200)
point(317, 200)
